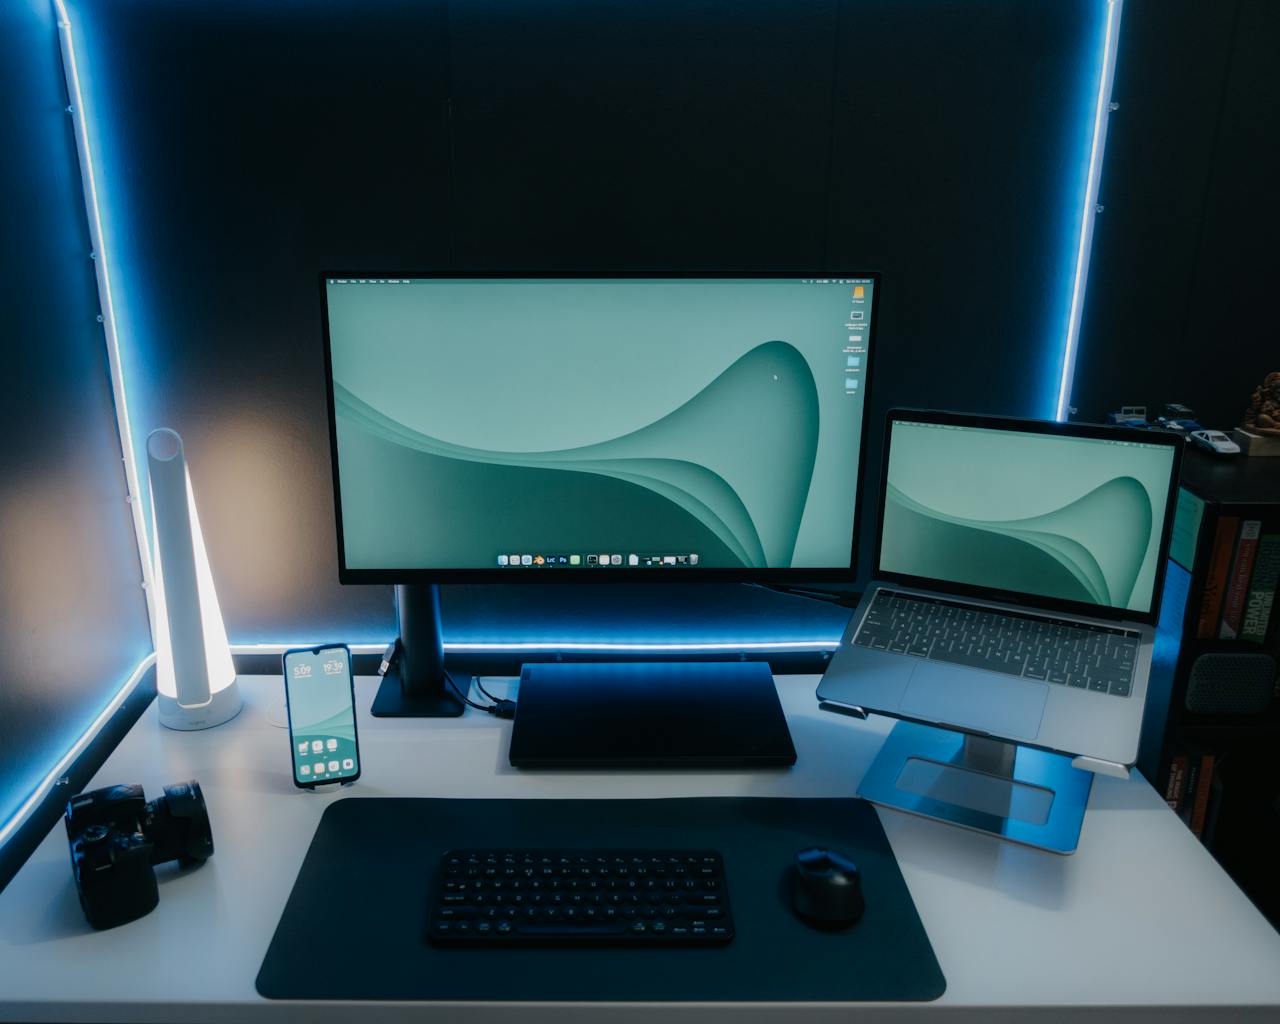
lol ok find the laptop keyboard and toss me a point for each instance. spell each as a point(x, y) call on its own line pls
point(1082, 655)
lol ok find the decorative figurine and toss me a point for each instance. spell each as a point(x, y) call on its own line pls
point(1260, 433)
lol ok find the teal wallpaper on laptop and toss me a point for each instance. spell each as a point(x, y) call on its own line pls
point(483, 419)
point(1062, 517)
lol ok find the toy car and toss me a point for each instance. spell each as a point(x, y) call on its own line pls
point(1129, 415)
point(1215, 441)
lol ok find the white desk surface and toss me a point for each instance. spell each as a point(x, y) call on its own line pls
point(1140, 920)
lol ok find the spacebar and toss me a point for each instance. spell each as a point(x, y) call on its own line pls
point(570, 929)
point(975, 661)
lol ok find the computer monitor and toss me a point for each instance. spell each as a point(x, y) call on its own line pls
point(595, 427)
point(592, 427)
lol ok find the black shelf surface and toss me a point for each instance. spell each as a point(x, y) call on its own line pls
point(1232, 479)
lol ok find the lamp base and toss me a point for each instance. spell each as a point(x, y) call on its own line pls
point(222, 707)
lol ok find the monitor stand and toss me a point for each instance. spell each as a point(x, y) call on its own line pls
point(1017, 793)
point(415, 685)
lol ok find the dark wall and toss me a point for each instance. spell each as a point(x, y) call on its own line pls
point(1182, 284)
point(73, 620)
point(246, 145)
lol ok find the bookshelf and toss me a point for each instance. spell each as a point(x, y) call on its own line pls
point(1211, 736)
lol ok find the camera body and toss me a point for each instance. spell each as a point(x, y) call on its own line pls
point(117, 837)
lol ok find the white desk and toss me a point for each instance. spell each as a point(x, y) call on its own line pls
point(1140, 919)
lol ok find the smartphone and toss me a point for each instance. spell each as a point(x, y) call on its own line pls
point(320, 699)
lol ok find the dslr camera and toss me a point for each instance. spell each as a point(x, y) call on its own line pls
point(117, 837)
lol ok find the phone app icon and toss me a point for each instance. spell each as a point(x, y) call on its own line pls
point(348, 763)
point(316, 746)
point(331, 744)
point(304, 769)
point(303, 747)
point(318, 767)
point(333, 766)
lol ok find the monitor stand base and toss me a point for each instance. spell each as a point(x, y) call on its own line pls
point(392, 702)
point(1009, 791)
point(415, 685)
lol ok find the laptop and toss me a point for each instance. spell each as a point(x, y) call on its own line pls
point(1018, 572)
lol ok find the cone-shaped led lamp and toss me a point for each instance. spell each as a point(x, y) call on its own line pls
point(195, 678)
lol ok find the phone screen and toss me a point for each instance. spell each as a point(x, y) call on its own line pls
point(322, 719)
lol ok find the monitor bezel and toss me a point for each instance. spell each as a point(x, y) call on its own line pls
point(621, 574)
point(1098, 431)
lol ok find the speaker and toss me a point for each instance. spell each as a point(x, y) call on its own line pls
point(1231, 683)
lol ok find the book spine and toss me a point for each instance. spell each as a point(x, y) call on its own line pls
point(1262, 593)
point(1174, 783)
point(1238, 587)
point(1189, 789)
point(1200, 804)
point(1216, 576)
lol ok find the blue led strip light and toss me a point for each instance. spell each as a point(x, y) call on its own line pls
point(102, 270)
point(1101, 110)
point(552, 646)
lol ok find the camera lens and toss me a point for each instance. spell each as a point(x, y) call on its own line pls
point(178, 824)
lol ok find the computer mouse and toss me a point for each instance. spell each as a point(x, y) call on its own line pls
point(826, 889)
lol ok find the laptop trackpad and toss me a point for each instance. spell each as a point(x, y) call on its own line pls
point(984, 701)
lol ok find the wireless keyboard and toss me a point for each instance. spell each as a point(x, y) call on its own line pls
point(502, 897)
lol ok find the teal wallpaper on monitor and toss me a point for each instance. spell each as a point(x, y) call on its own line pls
point(480, 421)
point(1071, 518)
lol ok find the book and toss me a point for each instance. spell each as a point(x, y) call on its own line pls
point(1215, 582)
point(1175, 781)
point(1200, 798)
point(1210, 833)
point(1262, 591)
point(1186, 799)
point(1238, 580)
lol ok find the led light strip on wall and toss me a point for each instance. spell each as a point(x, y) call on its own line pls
point(1098, 141)
point(102, 271)
point(552, 646)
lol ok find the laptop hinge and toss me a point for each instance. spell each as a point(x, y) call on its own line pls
point(1100, 767)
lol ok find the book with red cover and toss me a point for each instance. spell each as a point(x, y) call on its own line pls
point(1215, 582)
point(1200, 799)
point(1238, 581)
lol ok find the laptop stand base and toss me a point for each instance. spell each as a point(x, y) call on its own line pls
point(1012, 792)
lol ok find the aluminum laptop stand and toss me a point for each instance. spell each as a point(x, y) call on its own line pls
point(1016, 793)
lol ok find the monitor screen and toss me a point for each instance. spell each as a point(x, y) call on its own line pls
point(1070, 518)
point(528, 425)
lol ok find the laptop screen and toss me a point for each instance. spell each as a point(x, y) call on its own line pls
point(1042, 514)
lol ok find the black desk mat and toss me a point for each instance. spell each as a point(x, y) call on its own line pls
point(364, 885)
